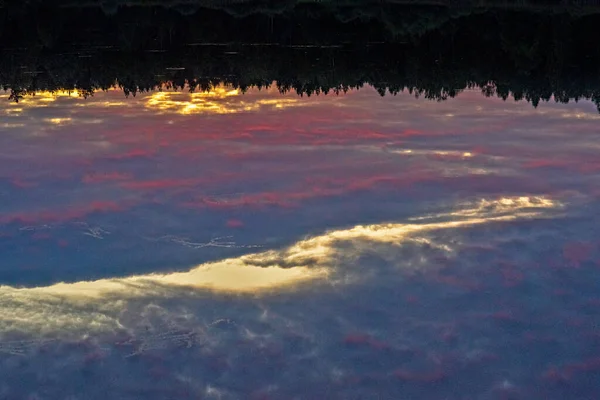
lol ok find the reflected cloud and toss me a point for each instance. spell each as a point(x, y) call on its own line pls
point(580, 115)
point(64, 214)
point(95, 305)
point(13, 110)
point(527, 206)
point(433, 152)
point(59, 121)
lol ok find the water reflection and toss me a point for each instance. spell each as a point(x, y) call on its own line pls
point(132, 178)
point(314, 258)
point(161, 245)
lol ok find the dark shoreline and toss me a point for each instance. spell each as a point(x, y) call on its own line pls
point(279, 5)
point(434, 52)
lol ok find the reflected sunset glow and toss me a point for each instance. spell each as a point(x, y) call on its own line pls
point(322, 257)
point(218, 100)
point(223, 229)
point(270, 200)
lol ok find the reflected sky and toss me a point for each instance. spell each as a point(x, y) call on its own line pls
point(355, 246)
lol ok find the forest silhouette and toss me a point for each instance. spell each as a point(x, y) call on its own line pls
point(519, 50)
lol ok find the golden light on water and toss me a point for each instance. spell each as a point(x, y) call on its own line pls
point(426, 152)
point(219, 100)
point(96, 304)
point(192, 103)
point(59, 121)
point(231, 275)
point(41, 99)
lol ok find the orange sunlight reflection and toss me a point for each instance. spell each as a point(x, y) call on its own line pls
point(218, 100)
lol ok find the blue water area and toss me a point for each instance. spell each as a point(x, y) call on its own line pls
point(272, 246)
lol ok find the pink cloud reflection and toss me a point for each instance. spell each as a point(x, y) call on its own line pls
point(283, 150)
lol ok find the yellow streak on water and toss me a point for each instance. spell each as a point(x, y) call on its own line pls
point(316, 258)
point(231, 275)
point(218, 100)
point(59, 121)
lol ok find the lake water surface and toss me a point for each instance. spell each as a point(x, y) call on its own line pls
point(259, 245)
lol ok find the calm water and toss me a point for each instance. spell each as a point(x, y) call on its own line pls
point(264, 246)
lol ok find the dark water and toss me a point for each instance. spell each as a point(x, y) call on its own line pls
point(239, 243)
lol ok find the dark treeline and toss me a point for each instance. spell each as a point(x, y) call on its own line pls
point(247, 7)
point(433, 51)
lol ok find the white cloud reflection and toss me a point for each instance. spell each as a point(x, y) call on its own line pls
point(68, 308)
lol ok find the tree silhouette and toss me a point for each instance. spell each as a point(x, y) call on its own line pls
point(432, 52)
